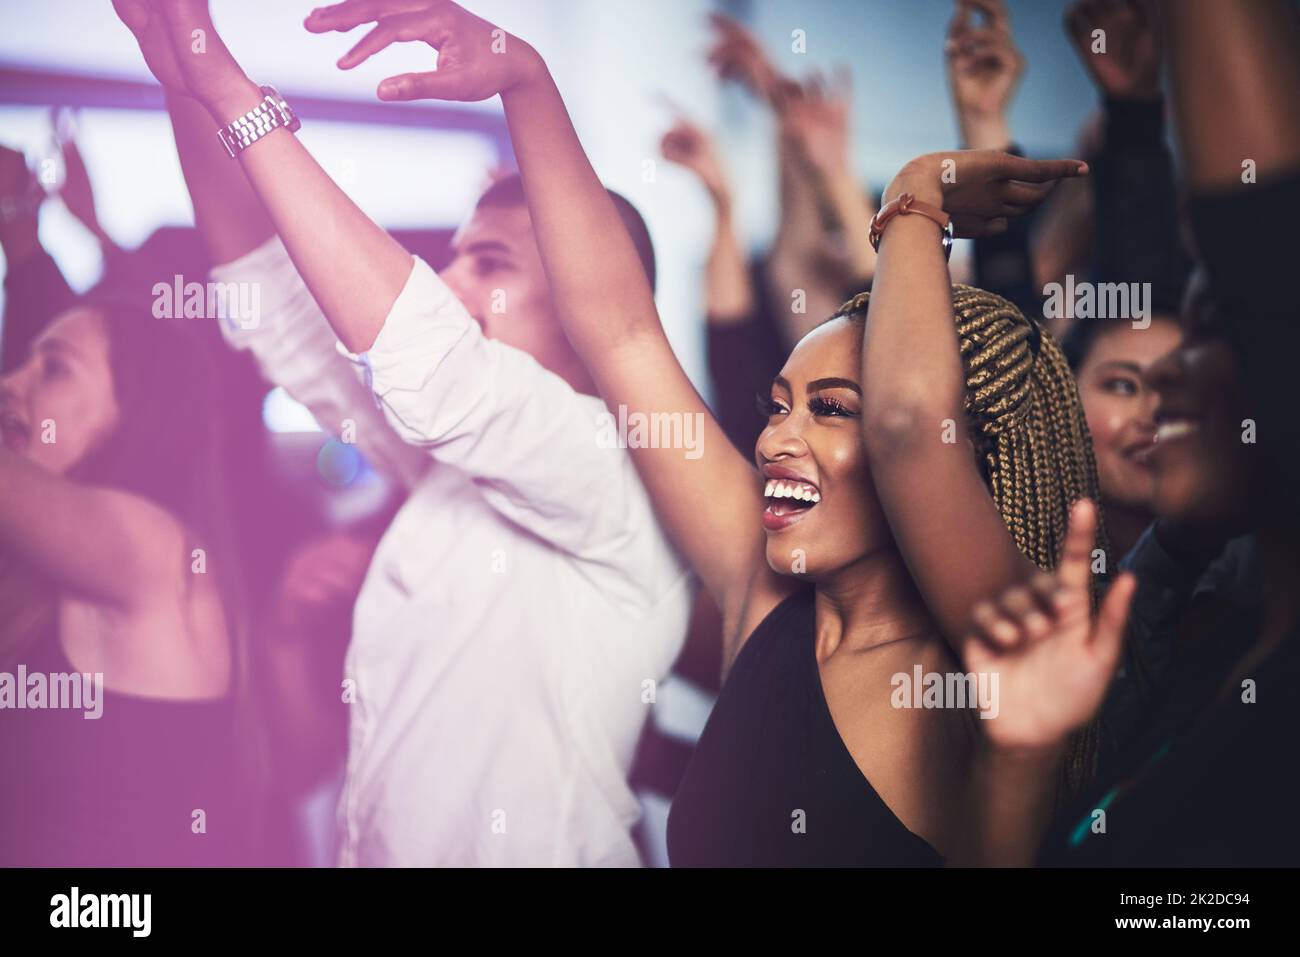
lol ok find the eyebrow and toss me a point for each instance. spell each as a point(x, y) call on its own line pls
point(816, 385)
point(55, 344)
point(1124, 364)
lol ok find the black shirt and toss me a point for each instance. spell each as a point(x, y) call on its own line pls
point(1213, 782)
point(771, 782)
point(149, 782)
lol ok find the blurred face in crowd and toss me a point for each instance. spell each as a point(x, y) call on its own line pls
point(1120, 407)
point(59, 405)
point(1200, 462)
point(496, 272)
point(822, 513)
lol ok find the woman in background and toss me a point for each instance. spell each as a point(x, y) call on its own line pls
point(1110, 359)
point(1210, 782)
point(112, 501)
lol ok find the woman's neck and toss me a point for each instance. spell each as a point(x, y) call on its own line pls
point(871, 603)
point(1124, 526)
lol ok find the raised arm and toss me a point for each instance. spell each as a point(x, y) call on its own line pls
point(796, 259)
point(984, 71)
point(1134, 184)
point(104, 544)
point(34, 289)
point(227, 213)
point(943, 518)
point(291, 340)
point(1236, 90)
point(314, 218)
point(735, 333)
point(816, 124)
point(1236, 86)
point(729, 294)
point(709, 503)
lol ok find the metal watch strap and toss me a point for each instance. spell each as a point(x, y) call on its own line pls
point(272, 113)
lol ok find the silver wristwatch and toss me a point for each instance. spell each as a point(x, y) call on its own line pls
point(272, 113)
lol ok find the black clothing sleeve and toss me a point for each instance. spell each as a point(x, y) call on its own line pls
point(1136, 204)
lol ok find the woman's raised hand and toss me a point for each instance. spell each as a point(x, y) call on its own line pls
point(981, 189)
point(984, 67)
point(1053, 659)
point(146, 23)
point(476, 59)
point(690, 147)
point(815, 118)
point(736, 55)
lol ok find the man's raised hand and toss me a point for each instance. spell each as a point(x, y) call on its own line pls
point(186, 54)
point(476, 59)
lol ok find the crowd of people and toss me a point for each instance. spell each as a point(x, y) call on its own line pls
point(1001, 572)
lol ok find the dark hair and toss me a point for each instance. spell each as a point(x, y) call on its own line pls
point(167, 448)
point(1082, 335)
point(509, 191)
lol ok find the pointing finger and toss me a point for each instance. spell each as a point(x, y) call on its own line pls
point(1074, 572)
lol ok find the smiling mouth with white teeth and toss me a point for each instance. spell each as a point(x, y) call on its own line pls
point(788, 501)
point(1171, 429)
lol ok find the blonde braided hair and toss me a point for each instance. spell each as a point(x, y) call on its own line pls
point(1031, 438)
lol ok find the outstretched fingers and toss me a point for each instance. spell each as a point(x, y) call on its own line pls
point(390, 30)
point(345, 16)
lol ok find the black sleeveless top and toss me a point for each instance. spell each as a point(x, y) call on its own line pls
point(121, 789)
point(771, 782)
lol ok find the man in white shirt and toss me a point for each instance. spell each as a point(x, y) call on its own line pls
point(524, 600)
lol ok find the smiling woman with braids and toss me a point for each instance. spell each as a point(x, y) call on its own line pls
point(789, 743)
point(856, 550)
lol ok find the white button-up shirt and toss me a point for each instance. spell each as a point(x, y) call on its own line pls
point(517, 610)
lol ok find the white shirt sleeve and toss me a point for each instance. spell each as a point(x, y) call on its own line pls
point(523, 435)
point(295, 348)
